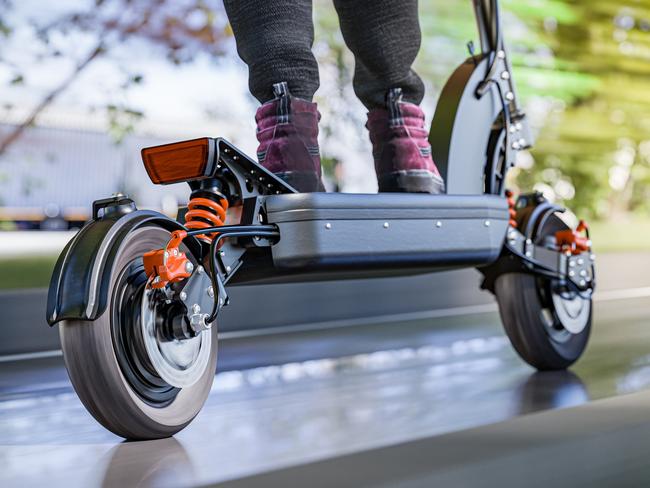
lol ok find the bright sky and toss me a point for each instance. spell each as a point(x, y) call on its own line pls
point(192, 100)
point(175, 99)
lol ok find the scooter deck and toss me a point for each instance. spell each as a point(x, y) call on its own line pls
point(383, 234)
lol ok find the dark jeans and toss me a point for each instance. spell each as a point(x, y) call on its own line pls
point(275, 37)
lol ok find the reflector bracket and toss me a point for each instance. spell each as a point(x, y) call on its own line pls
point(179, 161)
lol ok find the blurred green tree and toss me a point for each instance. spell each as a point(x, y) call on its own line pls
point(596, 135)
point(582, 69)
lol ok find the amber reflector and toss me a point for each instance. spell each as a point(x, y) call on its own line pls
point(180, 161)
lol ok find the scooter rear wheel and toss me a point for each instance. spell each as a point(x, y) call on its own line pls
point(117, 363)
point(547, 324)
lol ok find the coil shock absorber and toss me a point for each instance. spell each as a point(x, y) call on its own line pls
point(207, 208)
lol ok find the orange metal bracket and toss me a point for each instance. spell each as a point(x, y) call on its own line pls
point(511, 209)
point(168, 265)
point(574, 241)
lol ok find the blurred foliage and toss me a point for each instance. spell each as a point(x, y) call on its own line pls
point(122, 121)
point(26, 272)
point(596, 137)
point(179, 30)
point(582, 70)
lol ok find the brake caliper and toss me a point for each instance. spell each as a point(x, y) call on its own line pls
point(574, 241)
point(168, 265)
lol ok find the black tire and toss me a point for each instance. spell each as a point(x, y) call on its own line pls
point(532, 324)
point(98, 377)
point(547, 324)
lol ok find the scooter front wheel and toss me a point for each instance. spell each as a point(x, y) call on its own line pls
point(136, 382)
point(549, 331)
point(547, 323)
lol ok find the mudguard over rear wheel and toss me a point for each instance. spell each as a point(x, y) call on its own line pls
point(135, 382)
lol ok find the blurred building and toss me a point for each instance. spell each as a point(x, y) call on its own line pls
point(50, 176)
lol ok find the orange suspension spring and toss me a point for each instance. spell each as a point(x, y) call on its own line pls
point(203, 213)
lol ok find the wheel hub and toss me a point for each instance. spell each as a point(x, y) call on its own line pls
point(178, 361)
point(572, 310)
point(155, 349)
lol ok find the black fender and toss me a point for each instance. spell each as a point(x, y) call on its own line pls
point(469, 110)
point(79, 286)
point(532, 211)
point(461, 127)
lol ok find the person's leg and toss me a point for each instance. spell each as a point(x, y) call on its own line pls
point(274, 38)
point(384, 36)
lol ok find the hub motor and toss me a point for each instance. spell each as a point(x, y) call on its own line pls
point(178, 354)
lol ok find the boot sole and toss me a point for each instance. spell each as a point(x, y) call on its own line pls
point(411, 181)
point(303, 182)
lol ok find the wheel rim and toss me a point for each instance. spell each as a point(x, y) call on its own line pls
point(179, 362)
point(156, 366)
point(566, 312)
point(572, 310)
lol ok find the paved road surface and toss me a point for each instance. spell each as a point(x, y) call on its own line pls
point(283, 401)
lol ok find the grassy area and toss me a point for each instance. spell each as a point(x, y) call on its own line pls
point(26, 272)
point(629, 235)
point(625, 235)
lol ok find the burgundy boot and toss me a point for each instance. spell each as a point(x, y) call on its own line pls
point(287, 130)
point(401, 149)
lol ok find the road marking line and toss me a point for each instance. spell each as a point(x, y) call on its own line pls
point(604, 296)
point(383, 319)
point(624, 294)
point(31, 355)
point(601, 296)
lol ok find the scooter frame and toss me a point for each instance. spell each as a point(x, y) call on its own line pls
point(123, 306)
point(479, 99)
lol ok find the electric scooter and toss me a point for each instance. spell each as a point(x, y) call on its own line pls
point(137, 295)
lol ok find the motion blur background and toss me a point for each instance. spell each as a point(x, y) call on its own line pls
point(87, 83)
